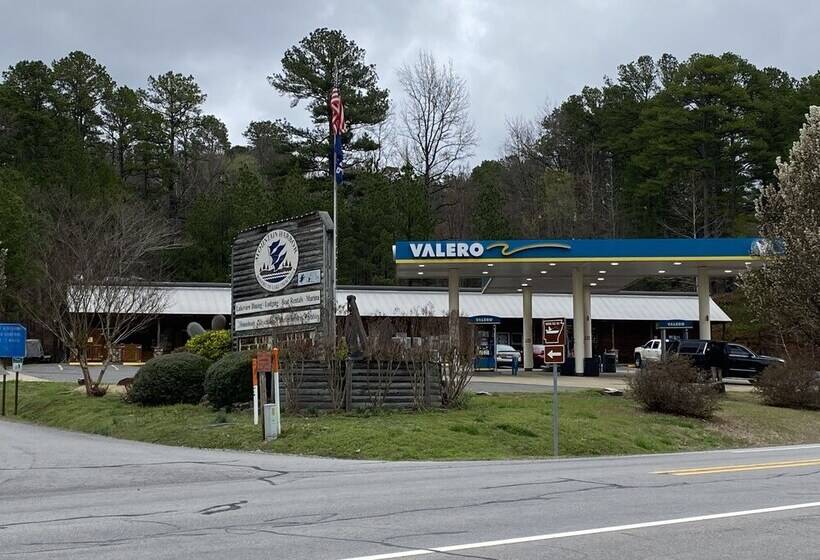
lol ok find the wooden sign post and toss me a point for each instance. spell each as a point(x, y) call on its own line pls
point(255, 381)
point(278, 409)
point(262, 368)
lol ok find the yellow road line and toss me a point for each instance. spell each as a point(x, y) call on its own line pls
point(719, 469)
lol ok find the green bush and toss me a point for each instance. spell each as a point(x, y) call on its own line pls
point(674, 386)
point(170, 379)
point(795, 384)
point(210, 344)
point(228, 381)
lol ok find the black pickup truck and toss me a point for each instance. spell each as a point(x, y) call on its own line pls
point(733, 359)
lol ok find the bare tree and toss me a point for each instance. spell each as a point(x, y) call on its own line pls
point(91, 265)
point(437, 130)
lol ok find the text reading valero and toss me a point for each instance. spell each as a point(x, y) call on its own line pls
point(453, 249)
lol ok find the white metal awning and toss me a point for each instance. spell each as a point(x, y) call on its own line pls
point(627, 307)
point(215, 299)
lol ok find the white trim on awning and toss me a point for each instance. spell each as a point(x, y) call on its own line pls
point(213, 299)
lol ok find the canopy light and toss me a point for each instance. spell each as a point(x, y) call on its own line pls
point(661, 272)
point(593, 284)
point(677, 263)
point(614, 264)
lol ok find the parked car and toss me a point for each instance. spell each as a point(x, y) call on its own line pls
point(537, 355)
point(650, 352)
point(734, 360)
point(34, 351)
point(504, 355)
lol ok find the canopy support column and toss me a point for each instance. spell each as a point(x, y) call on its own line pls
point(578, 319)
point(453, 312)
point(526, 294)
point(703, 305)
point(587, 323)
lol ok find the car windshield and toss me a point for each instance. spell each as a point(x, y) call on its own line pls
point(691, 347)
point(505, 348)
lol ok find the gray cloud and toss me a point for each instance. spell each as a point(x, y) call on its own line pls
point(516, 56)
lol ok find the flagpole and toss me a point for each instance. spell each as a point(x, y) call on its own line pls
point(335, 243)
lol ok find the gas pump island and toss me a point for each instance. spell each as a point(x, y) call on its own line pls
point(486, 341)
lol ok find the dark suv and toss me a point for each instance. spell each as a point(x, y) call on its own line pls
point(733, 359)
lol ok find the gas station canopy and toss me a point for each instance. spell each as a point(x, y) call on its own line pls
point(547, 265)
point(577, 266)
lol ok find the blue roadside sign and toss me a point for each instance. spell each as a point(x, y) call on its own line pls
point(12, 340)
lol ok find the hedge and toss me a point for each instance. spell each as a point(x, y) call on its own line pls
point(170, 379)
point(228, 381)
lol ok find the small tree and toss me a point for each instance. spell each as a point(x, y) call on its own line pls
point(383, 356)
point(784, 291)
point(91, 264)
point(457, 355)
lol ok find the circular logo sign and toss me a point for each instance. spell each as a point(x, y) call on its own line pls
point(276, 260)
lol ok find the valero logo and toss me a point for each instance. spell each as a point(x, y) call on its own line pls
point(277, 258)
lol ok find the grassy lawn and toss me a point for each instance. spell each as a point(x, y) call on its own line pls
point(489, 427)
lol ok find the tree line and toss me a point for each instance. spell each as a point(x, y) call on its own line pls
point(664, 148)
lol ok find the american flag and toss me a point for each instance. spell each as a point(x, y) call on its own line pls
point(337, 113)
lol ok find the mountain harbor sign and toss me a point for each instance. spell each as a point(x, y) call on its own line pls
point(282, 281)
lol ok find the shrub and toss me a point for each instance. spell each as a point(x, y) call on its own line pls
point(673, 385)
point(794, 384)
point(170, 379)
point(228, 381)
point(211, 344)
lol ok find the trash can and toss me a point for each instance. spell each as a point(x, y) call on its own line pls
point(611, 361)
point(592, 366)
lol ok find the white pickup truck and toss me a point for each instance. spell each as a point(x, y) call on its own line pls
point(649, 352)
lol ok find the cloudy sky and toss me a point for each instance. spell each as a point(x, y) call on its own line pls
point(517, 56)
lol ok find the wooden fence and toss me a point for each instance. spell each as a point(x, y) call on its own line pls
point(361, 385)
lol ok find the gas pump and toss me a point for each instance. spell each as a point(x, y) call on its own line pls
point(485, 341)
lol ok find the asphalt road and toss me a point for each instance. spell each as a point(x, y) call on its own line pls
point(66, 495)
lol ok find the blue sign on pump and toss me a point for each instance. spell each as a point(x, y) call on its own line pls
point(12, 340)
point(674, 324)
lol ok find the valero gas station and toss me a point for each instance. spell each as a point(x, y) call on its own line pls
point(581, 267)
